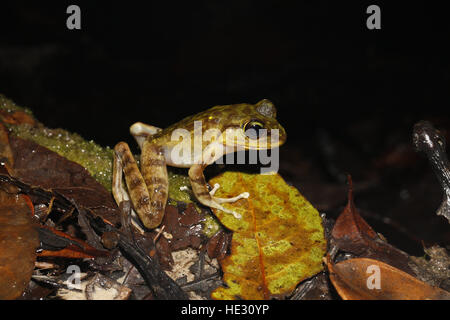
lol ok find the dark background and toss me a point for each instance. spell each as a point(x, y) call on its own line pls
point(347, 96)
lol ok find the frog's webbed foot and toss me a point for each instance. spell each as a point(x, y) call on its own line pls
point(200, 189)
point(243, 195)
point(237, 215)
point(219, 201)
point(213, 203)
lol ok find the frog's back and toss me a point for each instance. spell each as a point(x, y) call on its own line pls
point(217, 117)
point(221, 118)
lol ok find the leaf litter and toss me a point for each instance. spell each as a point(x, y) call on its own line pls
point(72, 212)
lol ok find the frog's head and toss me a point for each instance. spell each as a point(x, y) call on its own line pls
point(254, 127)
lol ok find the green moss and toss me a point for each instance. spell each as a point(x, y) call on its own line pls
point(179, 186)
point(211, 225)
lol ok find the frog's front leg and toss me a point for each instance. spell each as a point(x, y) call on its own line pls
point(141, 131)
point(200, 189)
point(148, 191)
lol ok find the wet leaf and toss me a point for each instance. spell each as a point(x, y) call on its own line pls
point(277, 243)
point(38, 166)
point(351, 233)
point(357, 279)
point(18, 243)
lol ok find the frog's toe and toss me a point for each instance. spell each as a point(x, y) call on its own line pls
point(234, 213)
point(214, 189)
point(243, 195)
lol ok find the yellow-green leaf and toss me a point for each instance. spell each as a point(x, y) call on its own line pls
point(277, 243)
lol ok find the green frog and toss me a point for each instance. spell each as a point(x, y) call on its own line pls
point(226, 128)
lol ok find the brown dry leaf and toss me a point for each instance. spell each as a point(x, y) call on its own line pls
point(18, 243)
point(357, 279)
point(218, 245)
point(38, 166)
point(185, 227)
point(351, 233)
point(277, 243)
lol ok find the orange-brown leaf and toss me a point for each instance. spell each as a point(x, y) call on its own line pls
point(18, 243)
point(355, 279)
point(351, 233)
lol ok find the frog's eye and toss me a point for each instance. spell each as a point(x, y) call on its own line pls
point(252, 129)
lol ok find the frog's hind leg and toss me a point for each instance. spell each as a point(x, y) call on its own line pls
point(150, 209)
point(141, 131)
point(120, 193)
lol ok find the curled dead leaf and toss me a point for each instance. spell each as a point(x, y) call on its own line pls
point(369, 279)
point(351, 233)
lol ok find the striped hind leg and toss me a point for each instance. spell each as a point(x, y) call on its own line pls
point(147, 196)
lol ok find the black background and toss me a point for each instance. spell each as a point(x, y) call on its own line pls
point(316, 60)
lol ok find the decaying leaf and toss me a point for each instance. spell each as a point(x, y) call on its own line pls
point(368, 279)
point(218, 244)
point(278, 242)
point(183, 226)
point(18, 243)
point(38, 166)
point(351, 233)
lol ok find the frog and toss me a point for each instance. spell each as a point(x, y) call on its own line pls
point(229, 128)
